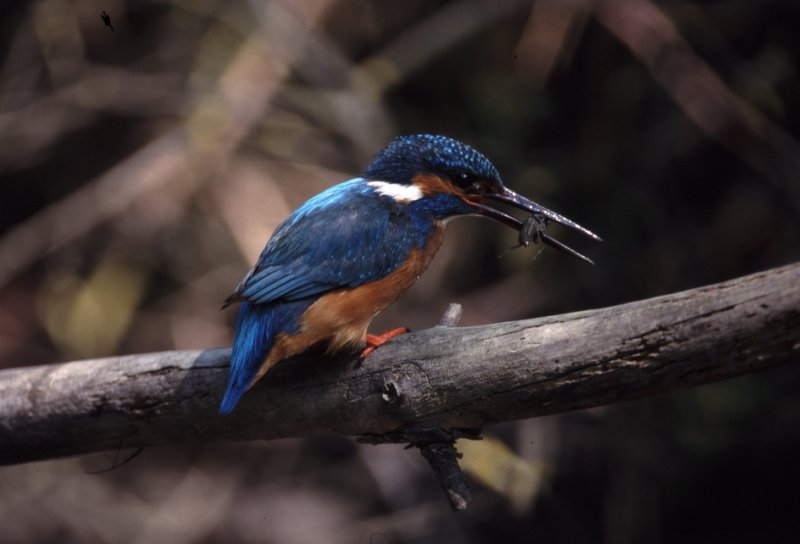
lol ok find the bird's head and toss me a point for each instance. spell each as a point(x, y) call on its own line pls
point(451, 178)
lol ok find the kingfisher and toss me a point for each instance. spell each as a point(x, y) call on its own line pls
point(349, 252)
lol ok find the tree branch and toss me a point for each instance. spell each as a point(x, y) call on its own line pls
point(446, 378)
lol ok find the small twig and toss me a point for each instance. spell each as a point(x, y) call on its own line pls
point(437, 445)
point(443, 458)
point(441, 453)
point(452, 316)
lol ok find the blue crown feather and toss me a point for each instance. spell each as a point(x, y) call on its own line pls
point(407, 156)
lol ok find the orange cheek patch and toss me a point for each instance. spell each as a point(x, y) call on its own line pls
point(431, 184)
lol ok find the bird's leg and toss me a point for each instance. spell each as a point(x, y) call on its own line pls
point(374, 341)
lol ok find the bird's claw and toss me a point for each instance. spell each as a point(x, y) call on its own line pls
point(374, 341)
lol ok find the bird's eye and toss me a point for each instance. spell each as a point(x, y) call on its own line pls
point(466, 181)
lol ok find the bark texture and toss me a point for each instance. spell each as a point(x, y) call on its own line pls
point(446, 378)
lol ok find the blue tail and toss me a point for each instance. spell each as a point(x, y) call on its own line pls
point(256, 328)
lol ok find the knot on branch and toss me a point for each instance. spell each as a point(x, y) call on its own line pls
point(391, 392)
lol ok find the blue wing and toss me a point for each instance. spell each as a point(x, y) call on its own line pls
point(343, 237)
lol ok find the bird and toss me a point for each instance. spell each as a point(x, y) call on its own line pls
point(349, 252)
point(107, 20)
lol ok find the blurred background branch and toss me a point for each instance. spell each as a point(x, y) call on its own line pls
point(702, 95)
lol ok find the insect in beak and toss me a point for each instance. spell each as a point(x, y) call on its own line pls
point(532, 229)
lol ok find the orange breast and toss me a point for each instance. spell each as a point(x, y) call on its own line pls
point(341, 317)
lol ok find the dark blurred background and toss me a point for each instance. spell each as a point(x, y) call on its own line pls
point(142, 169)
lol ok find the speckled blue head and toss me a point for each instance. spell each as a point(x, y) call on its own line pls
point(408, 156)
point(475, 183)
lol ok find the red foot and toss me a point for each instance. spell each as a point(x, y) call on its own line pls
point(374, 341)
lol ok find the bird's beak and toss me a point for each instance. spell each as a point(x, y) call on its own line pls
point(507, 196)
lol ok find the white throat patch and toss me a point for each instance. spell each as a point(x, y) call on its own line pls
point(402, 193)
